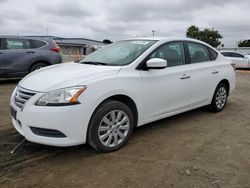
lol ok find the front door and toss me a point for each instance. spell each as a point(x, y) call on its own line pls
point(166, 90)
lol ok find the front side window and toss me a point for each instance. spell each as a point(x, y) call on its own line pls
point(17, 44)
point(172, 52)
point(119, 53)
point(198, 53)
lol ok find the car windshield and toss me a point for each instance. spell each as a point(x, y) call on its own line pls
point(119, 53)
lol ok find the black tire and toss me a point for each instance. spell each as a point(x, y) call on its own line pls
point(37, 66)
point(215, 106)
point(97, 118)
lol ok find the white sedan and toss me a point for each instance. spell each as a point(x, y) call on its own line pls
point(240, 60)
point(122, 86)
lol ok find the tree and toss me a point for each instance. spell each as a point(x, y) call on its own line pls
point(209, 36)
point(244, 43)
point(193, 32)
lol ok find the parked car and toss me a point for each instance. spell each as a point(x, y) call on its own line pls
point(240, 60)
point(127, 84)
point(20, 55)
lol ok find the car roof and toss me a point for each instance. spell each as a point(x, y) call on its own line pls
point(22, 37)
point(231, 52)
point(168, 39)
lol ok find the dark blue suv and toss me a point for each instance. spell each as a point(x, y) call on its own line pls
point(21, 55)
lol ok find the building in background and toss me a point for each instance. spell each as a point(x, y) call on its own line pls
point(77, 46)
point(74, 48)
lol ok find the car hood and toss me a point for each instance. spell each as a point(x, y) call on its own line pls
point(65, 75)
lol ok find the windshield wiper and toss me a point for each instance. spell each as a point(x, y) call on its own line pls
point(94, 63)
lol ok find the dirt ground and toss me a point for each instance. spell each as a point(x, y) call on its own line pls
point(193, 149)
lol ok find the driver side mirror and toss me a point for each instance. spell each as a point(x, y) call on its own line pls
point(156, 63)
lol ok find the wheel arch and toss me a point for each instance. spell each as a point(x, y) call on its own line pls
point(124, 99)
point(117, 97)
point(212, 105)
point(226, 82)
point(38, 61)
point(121, 98)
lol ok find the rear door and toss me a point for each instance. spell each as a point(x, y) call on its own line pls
point(2, 71)
point(17, 56)
point(205, 72)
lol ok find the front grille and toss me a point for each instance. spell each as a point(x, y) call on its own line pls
point(21, 96)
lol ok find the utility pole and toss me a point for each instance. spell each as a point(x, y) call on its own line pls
point(47, 31)
point(153, 31)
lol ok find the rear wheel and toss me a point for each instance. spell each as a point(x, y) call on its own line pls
point(110, 126)
point(37, 66)
point(220, 98)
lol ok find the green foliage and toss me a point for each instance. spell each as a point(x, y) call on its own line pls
point(193, 32)
point(209, 36)
point(244, 43)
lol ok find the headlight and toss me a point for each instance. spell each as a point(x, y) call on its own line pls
point(61, 97)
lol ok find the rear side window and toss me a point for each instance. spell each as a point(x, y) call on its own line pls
point(16, 43)
point(198, 53)
point(236, 55)
point(37, 43)
point(226, 54)
point(172, 52)
point(213, 54)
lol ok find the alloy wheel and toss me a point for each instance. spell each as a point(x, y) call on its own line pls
point(113, 128)
point(221, 97)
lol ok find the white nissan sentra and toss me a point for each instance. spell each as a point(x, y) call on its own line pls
point(122, 86)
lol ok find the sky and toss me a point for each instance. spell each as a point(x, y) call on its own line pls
point(120, 19)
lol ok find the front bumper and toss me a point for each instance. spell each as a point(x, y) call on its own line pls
point(71, 121)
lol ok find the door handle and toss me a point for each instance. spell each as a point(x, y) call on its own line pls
point(215, 72)
point(30, 52)
point(185, 77)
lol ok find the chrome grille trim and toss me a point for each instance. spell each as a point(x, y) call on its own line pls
point(21, 96)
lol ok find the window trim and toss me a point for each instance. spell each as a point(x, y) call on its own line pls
point(142, 66)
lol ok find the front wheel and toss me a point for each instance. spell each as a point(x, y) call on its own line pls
point(220, 98)
point(110, 126)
